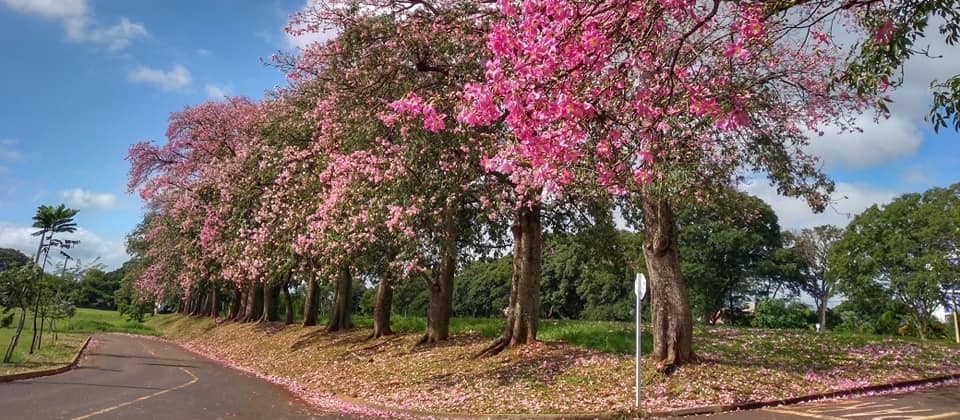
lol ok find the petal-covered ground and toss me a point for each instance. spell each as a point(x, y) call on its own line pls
point(735, 365)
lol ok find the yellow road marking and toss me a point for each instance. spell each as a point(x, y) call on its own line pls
point(803, 414)
point(145, 397)
point(950, 415)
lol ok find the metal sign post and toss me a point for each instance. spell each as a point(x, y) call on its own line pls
point(639, 289)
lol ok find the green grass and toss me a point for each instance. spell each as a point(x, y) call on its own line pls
point(71, 334)
point(95, 320)
point(52, 352)
point(608, 337)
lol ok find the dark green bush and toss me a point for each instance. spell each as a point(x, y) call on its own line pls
point(778, 313)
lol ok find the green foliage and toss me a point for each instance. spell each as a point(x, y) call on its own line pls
point(779, 313)
point(6, 318)
point(901, 252)
point(878, 60)
point(95, 320)
point(481, 289)
point(11, 258)
point(725, 246)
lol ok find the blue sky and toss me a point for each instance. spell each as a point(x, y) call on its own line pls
point(83, 79)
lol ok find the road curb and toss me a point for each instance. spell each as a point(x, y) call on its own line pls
point(47, 372)
point(713, 409)
point(886, 387)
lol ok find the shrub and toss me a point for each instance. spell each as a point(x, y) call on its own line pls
point(6, 320)
point(778, 313)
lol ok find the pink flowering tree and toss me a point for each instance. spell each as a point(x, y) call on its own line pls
point(402, 181)
point(658, 103)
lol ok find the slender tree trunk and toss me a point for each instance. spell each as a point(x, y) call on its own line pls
point(524, 305)
point(214, 309)
point(43, 317)
point(381, 308)
point(16, 336)
point(236, 304)
point(288, 304)
point(822, 313)
point(672, 322)
point(271, 303)
point(36, 311)
point(343, 302)
point(310, 309)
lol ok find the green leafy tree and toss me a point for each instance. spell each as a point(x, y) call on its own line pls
point(901, 251)
point(724, 245)
point(10, 258)
point(50, 221)
point(17, 289)
point(812, 245)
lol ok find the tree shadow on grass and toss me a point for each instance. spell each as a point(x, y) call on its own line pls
point(320, 338)
point(542, 368)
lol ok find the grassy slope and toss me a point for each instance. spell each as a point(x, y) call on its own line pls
point(71, 333)
point(735, 365)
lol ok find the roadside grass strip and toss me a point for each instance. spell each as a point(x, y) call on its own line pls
point(556, 376)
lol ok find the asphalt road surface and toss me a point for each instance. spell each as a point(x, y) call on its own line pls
point(938, 403)
point(126, 377)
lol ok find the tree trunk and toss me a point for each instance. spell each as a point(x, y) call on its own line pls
point(214, 310)
point(440, 303)
point(524, 305)
point(343, 302)
point(310, 304)
point(36, 311)
point(822, 313)
point(288, 305)
point(254, 306)
point(381, 308)
point(271, 304)
point(16, 336)
point(43, 317)
point(236, 304)
point(672, 322)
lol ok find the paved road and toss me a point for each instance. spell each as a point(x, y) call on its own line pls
point(125, 377)
point(930, 404)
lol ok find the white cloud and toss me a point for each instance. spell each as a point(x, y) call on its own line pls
point(218, 92)
point(177, 78)
point(849, 199)
point(203, 51)
point(8, 151)
point(300, 42)
point(80, 198)
point(879, 142)
point(91, 247)
point(79, 22)
point(119, 36)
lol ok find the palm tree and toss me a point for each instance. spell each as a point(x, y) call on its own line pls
point(50, 220)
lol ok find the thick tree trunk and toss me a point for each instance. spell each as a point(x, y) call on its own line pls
point(16, 336)
point(381, 308)
point(672, 322)
point(271, 304)
point(236, 304)
point(343, 302)
point(288, 305)
point(254, 306)
point(524, 305)
point(440, 303)
point(310, 309)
